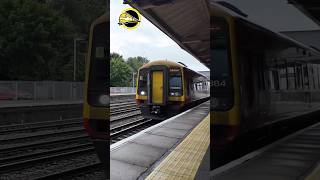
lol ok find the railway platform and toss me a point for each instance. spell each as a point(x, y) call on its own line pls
point(295, 157)
point(172, 149)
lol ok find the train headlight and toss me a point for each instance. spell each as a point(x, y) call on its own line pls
point(104, 99)
point(177, 94)
point(172, 94)
point(142, 93)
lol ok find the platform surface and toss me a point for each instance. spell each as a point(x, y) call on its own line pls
point(139, 156)
point(184, 160)
point(295, 157)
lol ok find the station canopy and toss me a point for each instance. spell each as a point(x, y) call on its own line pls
point(185, 21)
point(311, 8)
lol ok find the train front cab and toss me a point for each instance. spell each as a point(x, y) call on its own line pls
point(224, 86)
point(96, 100)
point(160, 92)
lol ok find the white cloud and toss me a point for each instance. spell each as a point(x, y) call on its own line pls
point(146, 40)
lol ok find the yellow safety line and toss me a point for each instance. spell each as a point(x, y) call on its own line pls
point(184, 161)
point(315, 174)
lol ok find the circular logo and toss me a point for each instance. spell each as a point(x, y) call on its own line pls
point(129, 18)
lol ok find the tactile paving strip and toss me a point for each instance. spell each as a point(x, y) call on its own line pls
point(183, 162)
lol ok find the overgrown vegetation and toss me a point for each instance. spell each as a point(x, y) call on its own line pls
point(123, 72)
point(36, 37)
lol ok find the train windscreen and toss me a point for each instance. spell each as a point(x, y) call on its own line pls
point(175, 83)
point(98, 91)
point(143, 82)
point(221, 72)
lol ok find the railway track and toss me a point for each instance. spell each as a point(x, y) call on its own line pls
point(48, 165)
point(82, 171)
point(61, 146)
point(25, 137)
point(116, 109)
point(125, 130)
point(31, 127)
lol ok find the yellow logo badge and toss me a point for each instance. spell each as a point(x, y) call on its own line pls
point(129, 18)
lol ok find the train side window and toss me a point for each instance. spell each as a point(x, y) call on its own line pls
point(283, 77)
point(261, 71)
point(175, 85)
point(318, 66)
point(314, 76)
point(291, 77)
point(306, 84)
point(298, 77)
point(221, 88)
point(310, 73)
point(273, 79)
point(143, 82)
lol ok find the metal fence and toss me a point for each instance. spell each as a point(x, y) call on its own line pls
point(41, 90)
point(49, 90)
point(122, 90)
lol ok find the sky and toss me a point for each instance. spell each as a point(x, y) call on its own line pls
point(148, 41)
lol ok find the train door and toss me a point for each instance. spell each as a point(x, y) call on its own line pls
point(157, 87)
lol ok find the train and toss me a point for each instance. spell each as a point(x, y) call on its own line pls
point(166, 88)
point(260, 80)
point(96, 105)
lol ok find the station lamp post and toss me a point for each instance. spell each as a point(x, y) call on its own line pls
point(75, 55)
point(133, 79)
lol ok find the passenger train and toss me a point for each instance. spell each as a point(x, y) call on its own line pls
point(96, 95)
point(165, 88)
point(260, 79)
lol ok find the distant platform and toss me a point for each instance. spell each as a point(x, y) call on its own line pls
point(33, 103)
point(296, 156)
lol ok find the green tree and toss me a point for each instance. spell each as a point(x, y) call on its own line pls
point(81, 12)
point(120, 73)
point(136, 62)
point(35, 41)
point(115, 55)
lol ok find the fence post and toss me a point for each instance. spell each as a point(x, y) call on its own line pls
point(70, 91)
point(53, 90)
point(16, 91)
point(35, 90)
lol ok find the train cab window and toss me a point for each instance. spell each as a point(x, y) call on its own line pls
point(221, 72)
point(143, 82)
point(98, 87)
point(175, 83)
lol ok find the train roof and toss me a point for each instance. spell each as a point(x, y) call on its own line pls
point(309, 7)
point(241, 18)
point(168, 64)
point(100, 19)
point(162, 62)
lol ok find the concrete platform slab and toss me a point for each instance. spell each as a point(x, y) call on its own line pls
point(118, 172)
point(156, 141)
point(137, 154)
point(178, 125)
point(169, 132)
point(150, 147)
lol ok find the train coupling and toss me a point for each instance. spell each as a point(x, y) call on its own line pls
point(155, 110)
